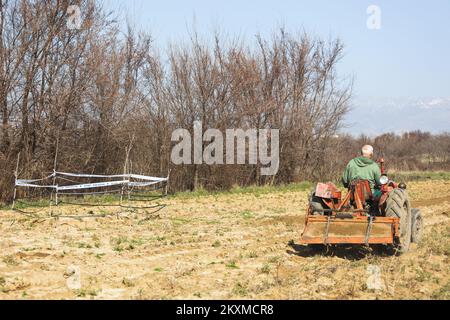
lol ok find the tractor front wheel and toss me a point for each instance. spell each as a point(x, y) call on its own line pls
point(397, 205)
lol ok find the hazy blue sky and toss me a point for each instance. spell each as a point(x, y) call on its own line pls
point(408, 57)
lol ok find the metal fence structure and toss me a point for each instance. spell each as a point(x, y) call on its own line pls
point(125, 191)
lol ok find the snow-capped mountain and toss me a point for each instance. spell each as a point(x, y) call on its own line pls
point(373, 116)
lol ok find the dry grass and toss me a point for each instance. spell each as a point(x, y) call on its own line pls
point(224, 246)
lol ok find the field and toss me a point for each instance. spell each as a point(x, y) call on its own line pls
point(234, 245)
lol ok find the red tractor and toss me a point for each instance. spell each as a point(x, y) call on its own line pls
point(360, 218)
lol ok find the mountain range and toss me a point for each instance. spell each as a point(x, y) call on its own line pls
point(374, 116)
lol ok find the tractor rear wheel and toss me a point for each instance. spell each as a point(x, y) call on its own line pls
point(397, 205)
point(417, 226)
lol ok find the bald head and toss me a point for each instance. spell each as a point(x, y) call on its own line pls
point(367, 151)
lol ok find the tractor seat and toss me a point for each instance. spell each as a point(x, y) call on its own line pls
point(362, 188)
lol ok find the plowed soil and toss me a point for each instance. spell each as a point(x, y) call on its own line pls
point(226, 246)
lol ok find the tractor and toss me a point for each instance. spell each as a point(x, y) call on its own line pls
point(360, 218)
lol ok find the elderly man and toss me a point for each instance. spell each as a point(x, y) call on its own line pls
point(363, 168)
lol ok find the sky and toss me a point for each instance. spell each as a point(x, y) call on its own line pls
point(408, 56)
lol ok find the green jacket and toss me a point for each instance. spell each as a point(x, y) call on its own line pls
point(362, 168)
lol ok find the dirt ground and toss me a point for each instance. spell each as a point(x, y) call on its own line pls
point(226, 246)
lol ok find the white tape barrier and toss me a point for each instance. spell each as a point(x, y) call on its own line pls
point(92, 185)
point(35, 180)
point(24, 184)
point(137, 176)
point(143, 184)
point(132, 176)
point(149, 181)
point(83, 175)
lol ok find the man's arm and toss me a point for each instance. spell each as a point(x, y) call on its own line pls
point(377, 175)
point(345, 176)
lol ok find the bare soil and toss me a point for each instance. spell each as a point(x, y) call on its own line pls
point(222, 246)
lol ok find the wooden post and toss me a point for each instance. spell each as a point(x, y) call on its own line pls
point(168, 174)
point(125, 167)
point(130, 169)
point(16, 174)
point(54, 176)
point(167, 182)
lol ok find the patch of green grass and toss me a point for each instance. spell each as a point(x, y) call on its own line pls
point(232, 265)
point(179, 221)
point(24, 204)
point(30, 249)
point(408, 176)
point(247, 214)
point(265, 269)
point(123, 243)
point(90, 199)
point(260, 190)
point(94, 199)
point(158, 269)
point(200, 192)
point(99, 255)
point(422, 275)
point(274, 259)
point(240, 289)
point(83, 245)
point(255, 190)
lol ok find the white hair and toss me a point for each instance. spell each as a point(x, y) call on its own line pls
point(367, 150)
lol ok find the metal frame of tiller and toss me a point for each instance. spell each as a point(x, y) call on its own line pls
point(344, 218)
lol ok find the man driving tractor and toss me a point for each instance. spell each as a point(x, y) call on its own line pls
point(364, 168)
point(374, 210)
